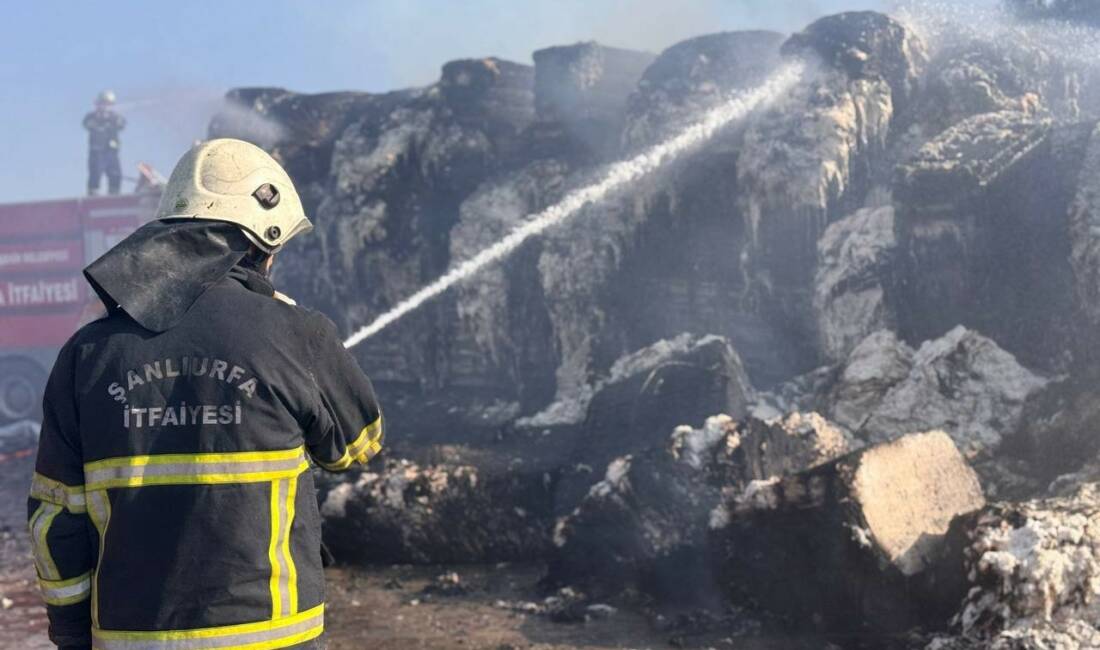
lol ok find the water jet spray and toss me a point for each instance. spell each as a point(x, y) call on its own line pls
point(616, 176)
point(945, 22)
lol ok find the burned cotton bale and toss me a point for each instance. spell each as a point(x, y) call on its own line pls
point(645, 524)
point(445, 513)
point(856, 545)
point(1033, 567)
point(584, 87)
point(648, 395)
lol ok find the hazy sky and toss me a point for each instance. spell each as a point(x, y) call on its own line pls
point(173, 62)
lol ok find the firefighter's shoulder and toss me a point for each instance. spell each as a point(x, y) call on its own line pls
point(93, 310)
point(322, 331)
point(101, 327)
point(282, 297)
point(313, 322)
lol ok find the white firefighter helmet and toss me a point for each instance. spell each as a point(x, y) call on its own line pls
point(105, 98)
point(234, 181)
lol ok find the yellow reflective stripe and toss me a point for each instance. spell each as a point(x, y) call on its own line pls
point(99, 511)
point(191, 469)
point(70, 497)
point(263, 635)
point(368, 443)
point(40, 527)
point(342, 464)
point(365, 446)
point(66, 592)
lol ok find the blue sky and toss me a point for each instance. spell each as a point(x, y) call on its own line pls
point(173, 62)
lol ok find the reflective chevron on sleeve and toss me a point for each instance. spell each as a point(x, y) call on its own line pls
point(70, 497)
point(368, 443)
point(66, 592)
point(40, 524)
point(365, 446)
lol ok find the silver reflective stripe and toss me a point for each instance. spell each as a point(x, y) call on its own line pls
point(242, 467)
point(280, 563)
point(57, 493)
point(268, 634)
point(138, 472)
point(40, 529)
point(99, 509)
point(66, 592)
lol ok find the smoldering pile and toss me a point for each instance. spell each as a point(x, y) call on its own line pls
point(834, 369)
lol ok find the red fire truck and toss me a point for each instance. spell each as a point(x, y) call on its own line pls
point(44, 246)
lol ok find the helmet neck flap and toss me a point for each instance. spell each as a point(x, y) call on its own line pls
point(160, 270)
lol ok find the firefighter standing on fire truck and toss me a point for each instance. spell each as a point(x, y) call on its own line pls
point(172, 504)
point(104, 125)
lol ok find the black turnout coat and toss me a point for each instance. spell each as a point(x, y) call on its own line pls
point(173, 504)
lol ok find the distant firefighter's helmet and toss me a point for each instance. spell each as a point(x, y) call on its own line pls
point(105, 98)
point(234, 181)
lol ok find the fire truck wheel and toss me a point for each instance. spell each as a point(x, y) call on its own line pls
point(21, 384)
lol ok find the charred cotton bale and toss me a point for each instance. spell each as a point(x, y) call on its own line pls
point(762, 449)
point(1057, 430)
point(1034, 568)
point(694, 76)
point(856, 256)
point(810, 159)
point(652, 391)
point(642, 526)
point(962, 382)
point(489, 90)
point(866, 44)
point(981, 227)
point(854, 544)
point(584, 87)
point(648, 394)
point(399, 176)
point(645, 524)
point(987, 77)
point(482, 511)
point(970, 157)
point(1085, 233)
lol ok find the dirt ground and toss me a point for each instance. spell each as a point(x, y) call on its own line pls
point(385, 608)
point(22, 616)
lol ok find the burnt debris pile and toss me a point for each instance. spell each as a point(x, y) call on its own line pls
point(835, 367)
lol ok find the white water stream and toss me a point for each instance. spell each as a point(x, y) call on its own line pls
point(616, 176)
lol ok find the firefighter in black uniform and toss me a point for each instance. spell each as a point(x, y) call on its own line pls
point(103, 125)
point(172, 504)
